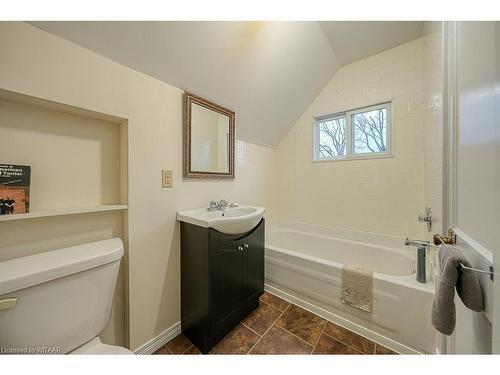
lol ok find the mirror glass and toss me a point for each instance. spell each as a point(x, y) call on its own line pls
point(209, 140)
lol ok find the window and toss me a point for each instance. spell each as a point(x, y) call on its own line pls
point(332, 137)
point(357, 133)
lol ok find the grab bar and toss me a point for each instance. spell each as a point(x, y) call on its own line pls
point(491, 271)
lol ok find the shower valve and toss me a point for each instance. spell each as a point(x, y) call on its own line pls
point(427, 218)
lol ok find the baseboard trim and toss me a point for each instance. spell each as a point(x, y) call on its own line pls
point(356, 328)
point(157, 342)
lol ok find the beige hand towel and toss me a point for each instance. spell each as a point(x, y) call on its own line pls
point(357, 287)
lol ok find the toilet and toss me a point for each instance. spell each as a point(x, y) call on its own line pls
point(59, 301)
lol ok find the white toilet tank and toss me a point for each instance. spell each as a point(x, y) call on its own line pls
point(58, 300)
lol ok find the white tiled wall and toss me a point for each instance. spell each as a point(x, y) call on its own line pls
point(433, 119)
point(375, 195)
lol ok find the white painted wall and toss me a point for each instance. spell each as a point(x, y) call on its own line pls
point(375, 195)
point(42, 65)
point(478, 206)
point(477, 145)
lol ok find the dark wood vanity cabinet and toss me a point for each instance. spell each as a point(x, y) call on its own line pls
point(222, 278)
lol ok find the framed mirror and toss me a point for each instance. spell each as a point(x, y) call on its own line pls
point(208, 139)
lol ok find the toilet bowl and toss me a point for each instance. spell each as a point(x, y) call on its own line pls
point(59, 301)
point(95, 346)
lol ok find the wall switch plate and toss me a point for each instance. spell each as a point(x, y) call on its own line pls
point(167, 178)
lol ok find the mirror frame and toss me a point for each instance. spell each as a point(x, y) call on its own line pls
point(188, 100)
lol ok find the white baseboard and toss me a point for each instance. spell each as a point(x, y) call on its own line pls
point(157, 342)
point(356, 328)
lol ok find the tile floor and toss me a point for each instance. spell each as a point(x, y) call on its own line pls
point(278, 327)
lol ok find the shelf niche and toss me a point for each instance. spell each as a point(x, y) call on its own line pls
point(78, 158)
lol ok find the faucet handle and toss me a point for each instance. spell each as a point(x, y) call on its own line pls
point(212, 205)
point(427, 218)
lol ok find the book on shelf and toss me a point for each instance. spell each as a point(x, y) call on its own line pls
point(14, 189)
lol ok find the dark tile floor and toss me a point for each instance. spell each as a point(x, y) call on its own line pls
point(278, 327)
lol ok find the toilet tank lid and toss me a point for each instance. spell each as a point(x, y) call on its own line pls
point(20, 273)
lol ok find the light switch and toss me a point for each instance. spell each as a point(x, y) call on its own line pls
point(167, 178)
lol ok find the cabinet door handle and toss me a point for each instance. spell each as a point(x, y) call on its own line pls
point(245, 246)
point(240, 248)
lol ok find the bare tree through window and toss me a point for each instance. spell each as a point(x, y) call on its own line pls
point(360, 131)
point(370, 131)
point(332, 138)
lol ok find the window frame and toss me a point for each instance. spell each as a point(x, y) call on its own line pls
point(349, 154)
point(316, 136)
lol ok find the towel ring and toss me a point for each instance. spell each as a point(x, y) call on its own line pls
point(491, 271)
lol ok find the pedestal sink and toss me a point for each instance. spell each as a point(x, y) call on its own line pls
point(232, 220)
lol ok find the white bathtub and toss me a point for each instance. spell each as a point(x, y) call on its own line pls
point(304, 265)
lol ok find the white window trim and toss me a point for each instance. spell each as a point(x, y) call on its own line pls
point(388, 153)
point(316, 136)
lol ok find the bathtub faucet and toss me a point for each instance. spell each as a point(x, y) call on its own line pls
point(412, 242)
point(422, 246)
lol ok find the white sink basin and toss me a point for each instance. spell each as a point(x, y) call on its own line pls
point(232, 220)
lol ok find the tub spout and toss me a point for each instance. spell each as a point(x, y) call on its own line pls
point(422, 246)
point(412, 242)
point(421, 274)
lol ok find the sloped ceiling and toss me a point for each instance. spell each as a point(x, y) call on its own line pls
point(267, 72)
point(355, 40)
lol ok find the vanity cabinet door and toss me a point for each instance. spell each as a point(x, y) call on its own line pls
point(222, 278)
point(226, 283)
point(253, 265)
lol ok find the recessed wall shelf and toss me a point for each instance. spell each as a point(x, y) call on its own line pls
point(65, 211)
point(78, 157)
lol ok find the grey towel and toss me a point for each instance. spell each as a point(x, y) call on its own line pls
point(357, 287)
point(453, 276)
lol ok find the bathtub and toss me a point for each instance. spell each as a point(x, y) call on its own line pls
point(304, 265)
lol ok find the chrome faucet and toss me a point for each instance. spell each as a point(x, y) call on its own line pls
point(217, 206)
point(418, 243)
point(422, 247)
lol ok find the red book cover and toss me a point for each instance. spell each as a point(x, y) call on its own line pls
point(14, 189)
